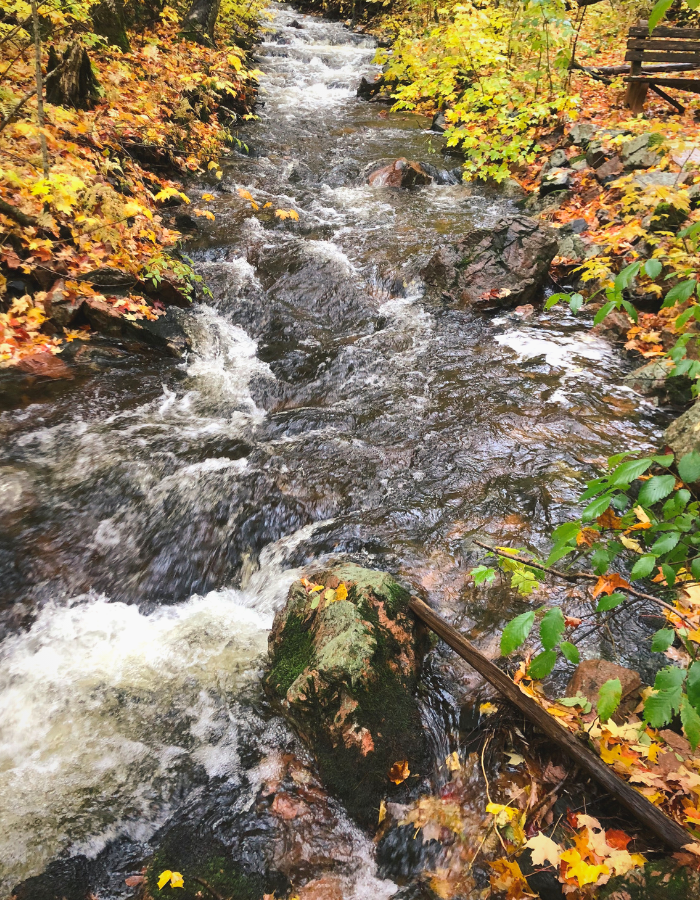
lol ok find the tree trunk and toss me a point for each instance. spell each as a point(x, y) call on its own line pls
point(198, 24)
point(74, 84)
point(108, 21)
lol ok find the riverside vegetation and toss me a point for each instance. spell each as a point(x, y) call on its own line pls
point(94, 203)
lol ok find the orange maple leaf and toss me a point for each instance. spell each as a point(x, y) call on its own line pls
point(399, 772)
point(606, 584)
point(608, 519)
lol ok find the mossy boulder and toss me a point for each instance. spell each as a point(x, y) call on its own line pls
point(344, 669)
point(658, 880)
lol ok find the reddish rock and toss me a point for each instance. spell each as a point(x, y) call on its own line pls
point(501, 266)
point(44, 365)
point(402, 173)
point(610, 168)
point(591, 674)
point(326, 888)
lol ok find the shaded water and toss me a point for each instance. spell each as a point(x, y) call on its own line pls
point(154, 515)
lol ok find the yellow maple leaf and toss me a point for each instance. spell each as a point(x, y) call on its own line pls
point(487, 709)
point(582, 872)
point(341, 592)
point(176, 880)
point(164, 878)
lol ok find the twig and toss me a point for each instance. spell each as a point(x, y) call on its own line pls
point(208, 887)
point(25, 220)
point(543, 802)
point(587, 576)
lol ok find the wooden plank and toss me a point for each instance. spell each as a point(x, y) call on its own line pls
point(656, 821)
point(664, 31)
point(664, 56)
point(639, 44)
point(682, 84)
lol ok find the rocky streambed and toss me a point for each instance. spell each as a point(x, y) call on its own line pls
point(350, 395)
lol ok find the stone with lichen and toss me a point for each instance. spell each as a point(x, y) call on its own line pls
point(344, 670)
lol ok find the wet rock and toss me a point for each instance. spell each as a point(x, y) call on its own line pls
point(582, 133)
point(367, 90)
point(637, 154)
point(439, 123)
point(614, 326)
point(345, 673)
point(165, 333)
point(440, 176)
point(295, 24)
point(168, 291)
point(16, 494)
point(683, 435)
point(402, 173)
point(62, 308)
point(44, 365)
point(326, 888)
point(591, 675)
point(502, 266)
point(579, 165)
point(555, 180)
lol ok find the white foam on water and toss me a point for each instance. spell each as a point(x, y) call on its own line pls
point(560, 352)
point(105, 710)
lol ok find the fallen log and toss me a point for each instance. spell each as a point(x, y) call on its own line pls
point(664, 828)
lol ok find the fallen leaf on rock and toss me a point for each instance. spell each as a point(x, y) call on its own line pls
point(544, 849)
point(134, 880)
point(487, 709)
point(399, 772)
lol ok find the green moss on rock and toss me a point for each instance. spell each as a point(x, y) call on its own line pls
point(664, 880)
point(346, 674)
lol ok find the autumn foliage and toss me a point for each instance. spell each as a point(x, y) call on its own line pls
point(167, 109)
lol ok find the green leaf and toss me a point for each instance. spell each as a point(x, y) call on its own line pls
point(665, 543)
point(656, 489)
point(570, 652)
point(597, 508)
point(483, 573)
point(691, 722)
point(629, 471)
point(542, 664)
point(659, 708)
point(610, 602)
point(689, 467)
point(643, 567)
point(583, 702)
point(315, 601)
point(558, 552)
point(680, 293)
point(576, 302)
point(660, 9)
point(555, 298)
point(566, 532)
point(652, 268)
point(603, 312)
point(624, 279)
point(695, 568)
point(676, 504)
point(669, 574)
point(665, 460)
point(693, 684)
point(662, 640)
point(630, 310)
point(609, 697)
point(551, 628)
point(516, 631)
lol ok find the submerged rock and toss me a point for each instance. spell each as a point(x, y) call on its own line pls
point(344, 670)
point(501, 266)
point(402, 173)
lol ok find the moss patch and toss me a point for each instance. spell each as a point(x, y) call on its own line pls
point(663, 880)
point(295, 653)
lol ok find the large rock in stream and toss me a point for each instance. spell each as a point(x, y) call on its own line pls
point(345, 670)
point(494, 267)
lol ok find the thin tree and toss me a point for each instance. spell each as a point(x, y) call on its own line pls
point(39, 90)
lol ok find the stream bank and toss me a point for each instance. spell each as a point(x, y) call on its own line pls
point(158, 512)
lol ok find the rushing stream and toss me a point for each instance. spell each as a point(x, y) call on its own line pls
point(154, 514)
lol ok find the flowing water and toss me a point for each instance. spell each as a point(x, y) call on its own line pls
point(154, 514)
